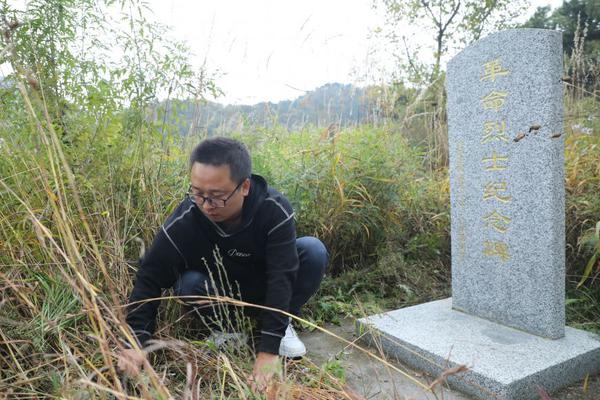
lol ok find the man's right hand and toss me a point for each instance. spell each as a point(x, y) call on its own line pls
point(130, 361)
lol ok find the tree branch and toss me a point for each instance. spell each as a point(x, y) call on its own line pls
point(410, 60)
point(477, 30)
point(454, 12)
point(437, 22)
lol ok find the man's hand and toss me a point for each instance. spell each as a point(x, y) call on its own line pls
point(130, 361)
point(265, 366)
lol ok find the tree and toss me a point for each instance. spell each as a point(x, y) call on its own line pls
point(450, 22)
point(565, 18)
point(95, 71)
point(97, 57)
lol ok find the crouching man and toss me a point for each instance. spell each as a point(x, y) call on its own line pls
point(252, 225)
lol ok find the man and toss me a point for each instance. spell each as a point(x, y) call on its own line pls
point(251, 225)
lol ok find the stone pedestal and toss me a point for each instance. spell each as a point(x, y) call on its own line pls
point(504, 363)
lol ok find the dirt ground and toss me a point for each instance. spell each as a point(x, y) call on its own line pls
point(373, 380)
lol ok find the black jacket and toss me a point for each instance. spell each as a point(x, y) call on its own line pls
point(262, 251)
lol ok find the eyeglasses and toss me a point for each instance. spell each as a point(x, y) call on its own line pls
point(199, 200)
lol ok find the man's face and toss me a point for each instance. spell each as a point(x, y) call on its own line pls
point(215, 182)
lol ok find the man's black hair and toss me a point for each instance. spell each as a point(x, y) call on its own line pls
point(224, 151)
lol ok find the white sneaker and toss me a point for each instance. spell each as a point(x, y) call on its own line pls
point(291, 346)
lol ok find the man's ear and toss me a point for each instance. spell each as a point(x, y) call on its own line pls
point(246, 187)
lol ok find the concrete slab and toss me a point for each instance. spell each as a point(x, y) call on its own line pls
point(504, 363)
point(367, 376)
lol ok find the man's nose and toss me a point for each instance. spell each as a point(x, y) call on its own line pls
point(208, 204)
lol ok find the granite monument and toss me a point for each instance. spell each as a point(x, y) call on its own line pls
point(506, 319)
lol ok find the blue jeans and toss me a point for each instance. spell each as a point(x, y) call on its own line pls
point(313, 259)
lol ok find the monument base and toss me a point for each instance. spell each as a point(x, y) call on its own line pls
point(504, 363)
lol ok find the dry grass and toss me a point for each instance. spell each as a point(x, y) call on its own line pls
point(67, 240)
point(64, 277)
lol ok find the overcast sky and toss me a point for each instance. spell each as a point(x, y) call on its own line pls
point(275, 50)
point(271, 50)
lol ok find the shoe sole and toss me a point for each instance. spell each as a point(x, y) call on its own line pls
point(293, 355)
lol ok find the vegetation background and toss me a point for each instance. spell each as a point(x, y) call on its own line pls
point(92, 160)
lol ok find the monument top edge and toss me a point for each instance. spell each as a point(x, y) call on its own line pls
point(550, 33)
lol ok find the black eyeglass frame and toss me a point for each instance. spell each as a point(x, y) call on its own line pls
point(215, 203)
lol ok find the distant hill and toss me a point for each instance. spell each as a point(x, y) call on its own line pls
point(334, 103)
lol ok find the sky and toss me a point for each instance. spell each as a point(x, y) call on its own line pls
point(265, 50)
point(273, 50)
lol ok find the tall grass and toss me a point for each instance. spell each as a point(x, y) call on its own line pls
point(582, 126)
point(79, 197)
point(72, 217)
point(66, 267)
point(68, 241)
point(356, 191)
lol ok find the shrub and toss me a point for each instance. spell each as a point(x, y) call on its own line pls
point(355, 191)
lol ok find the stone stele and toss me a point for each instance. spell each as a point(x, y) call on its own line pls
point(506, 318)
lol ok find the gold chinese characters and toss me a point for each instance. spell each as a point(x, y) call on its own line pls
point(494, 136)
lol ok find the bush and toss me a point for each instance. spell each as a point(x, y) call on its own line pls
point(582, 182)
point(355, 192)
